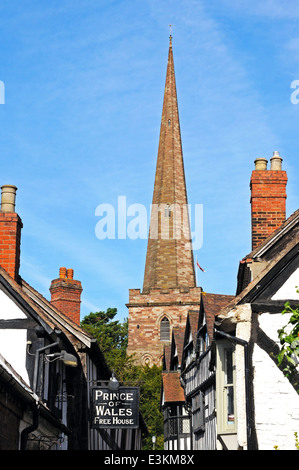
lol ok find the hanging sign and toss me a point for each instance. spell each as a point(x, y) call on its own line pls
point(115, 409)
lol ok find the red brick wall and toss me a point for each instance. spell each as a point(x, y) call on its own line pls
point(66, 294)
point(268, 203)
point(10, 240)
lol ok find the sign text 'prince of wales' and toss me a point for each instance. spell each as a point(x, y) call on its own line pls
point(115, 409)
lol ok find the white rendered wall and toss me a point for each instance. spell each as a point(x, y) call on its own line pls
point(13, 341)
point(276, 401)
point(288, 289)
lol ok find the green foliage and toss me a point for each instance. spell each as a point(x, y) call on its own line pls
point(112, 337)
point(288, 356)
point(149, 381)
point(296, 442)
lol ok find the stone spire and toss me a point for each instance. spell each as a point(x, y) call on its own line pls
point(169, 260)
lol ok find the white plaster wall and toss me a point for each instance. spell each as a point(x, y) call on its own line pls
point(288, 289)
point(276, 401)
point(8, 309)
point(13, 341)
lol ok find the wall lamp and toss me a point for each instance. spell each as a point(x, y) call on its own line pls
point(68, 359)
point(113, 383)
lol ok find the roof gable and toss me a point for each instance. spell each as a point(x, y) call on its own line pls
point(41, 310)
point(190, 335)
point(9, 310)
point(255, 262)
point(212, 305)
point(59, 318)
point(261, 291)
point(279, 238)
point(177, 344)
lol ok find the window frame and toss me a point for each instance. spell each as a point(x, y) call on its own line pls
point(222, 386)
point(163, 331)
point(177, 422)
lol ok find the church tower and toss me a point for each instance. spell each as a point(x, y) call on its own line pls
point(169, 287)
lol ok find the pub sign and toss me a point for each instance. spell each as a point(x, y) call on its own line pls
point(115, 408)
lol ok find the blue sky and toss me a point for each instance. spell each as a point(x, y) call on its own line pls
point(84, 84)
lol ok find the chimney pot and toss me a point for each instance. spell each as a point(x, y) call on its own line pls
point(70, 273)
point(62, 273)
point(276, 161)
point(261, 164)
point(8, 198)
point(10, 232)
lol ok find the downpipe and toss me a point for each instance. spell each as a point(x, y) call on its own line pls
point(35, 421)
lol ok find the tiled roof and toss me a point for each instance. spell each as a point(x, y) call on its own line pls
point(167, 356)
point(213, 303)
point(173, 391)
point(193, 322)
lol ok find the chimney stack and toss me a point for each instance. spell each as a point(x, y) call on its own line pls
point(66, 294)
point(268, 198)
point(10, 232)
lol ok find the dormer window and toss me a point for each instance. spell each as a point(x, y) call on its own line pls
point(202, 340)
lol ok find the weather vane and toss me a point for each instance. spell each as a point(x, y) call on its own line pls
point(170, 29)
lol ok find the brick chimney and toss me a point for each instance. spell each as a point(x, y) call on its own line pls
point(10, 232)
point(268, 198)
point(66, 294)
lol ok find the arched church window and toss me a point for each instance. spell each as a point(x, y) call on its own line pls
point(165, 329)
point(167, 211)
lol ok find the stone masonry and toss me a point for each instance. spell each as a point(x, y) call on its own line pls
point(169, 288)
point(146, 312)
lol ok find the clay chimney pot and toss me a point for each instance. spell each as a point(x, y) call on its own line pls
point(261, 164)
point(8, 198)
point(62, 273)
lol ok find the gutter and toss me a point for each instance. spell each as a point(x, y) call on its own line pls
point(248, 395)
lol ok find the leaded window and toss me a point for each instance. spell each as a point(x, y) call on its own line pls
point(165, 329)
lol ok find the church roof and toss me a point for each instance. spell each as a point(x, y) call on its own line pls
point(169, 261)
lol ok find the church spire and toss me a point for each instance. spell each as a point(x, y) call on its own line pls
point(169, 260)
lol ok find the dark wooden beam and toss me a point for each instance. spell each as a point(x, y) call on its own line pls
point(17, 324)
